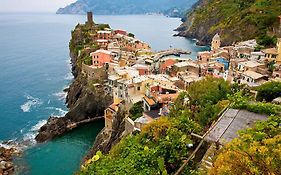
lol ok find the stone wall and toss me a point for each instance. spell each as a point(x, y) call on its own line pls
point(94, 73)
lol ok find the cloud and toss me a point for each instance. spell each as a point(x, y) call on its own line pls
point(32, 5)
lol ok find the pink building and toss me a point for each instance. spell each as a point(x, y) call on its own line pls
point(122, 32)
point(100, 57)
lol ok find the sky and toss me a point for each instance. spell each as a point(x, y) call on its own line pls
point(32, 5)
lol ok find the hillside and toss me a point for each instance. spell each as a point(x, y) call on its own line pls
point(109, 7)
point(234, 20)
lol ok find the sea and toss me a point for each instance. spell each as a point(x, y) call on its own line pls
point(35, 69)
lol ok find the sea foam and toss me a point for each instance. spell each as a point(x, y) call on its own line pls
point(30, 103)
point(29, 137)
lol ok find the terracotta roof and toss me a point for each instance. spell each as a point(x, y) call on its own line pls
point(166, 97)
point(150, 101)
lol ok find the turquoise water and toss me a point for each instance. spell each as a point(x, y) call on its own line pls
point(35, 69)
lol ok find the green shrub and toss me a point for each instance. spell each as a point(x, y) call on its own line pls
point(269, 91)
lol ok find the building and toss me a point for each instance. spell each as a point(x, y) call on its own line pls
point(104, 35)
point(142, 68)
point(166, 64)
point(216, 42)
point(270, 54)
point(204, 57)
point(252, 78)
point(121, 32)
point(257, 56)
point(101, 57)
point(249, 65)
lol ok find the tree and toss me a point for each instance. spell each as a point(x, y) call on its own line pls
point(269, 91)
point(256, 151)
point(131, 35)
point(136, 111)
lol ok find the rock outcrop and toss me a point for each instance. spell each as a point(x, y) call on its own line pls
point(83, 100)
point(108, 138)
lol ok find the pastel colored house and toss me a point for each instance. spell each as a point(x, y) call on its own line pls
point(143, 69)
point(249, 65)
point(101, 57)
point(104, 35)
point(252, 78)
point(204, 57)
point(102, 43)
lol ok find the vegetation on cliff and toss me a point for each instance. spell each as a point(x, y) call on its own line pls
point(234, 20)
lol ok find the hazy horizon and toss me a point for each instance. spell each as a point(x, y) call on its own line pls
point(32, 5)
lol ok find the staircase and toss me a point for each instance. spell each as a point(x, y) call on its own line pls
point(207, 161)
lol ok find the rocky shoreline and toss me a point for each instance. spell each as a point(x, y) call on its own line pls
point(6, 159)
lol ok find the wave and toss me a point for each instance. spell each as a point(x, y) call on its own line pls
point(31, 102)
point(68, 76)
point(60, 111)
point(29, 137)
point(60, 95)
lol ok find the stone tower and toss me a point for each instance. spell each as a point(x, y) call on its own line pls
point(216, 42)
point(278, 45)
point(90, 18)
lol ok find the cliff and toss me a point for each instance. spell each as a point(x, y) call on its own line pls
point(83, 100)
point(233, 20)
point(109, 7)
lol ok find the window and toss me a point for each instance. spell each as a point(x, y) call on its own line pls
point(138, 88)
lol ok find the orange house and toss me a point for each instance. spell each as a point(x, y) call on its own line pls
point(167, 64)
point(100, 57)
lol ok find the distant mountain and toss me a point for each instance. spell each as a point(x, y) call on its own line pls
point(121, 7)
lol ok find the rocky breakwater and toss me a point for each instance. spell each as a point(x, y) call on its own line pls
point(84, 100)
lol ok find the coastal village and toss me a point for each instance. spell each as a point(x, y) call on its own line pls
point(136, 74)
point(138, 77)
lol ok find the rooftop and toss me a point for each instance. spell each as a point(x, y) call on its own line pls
point(253, 75)
point(270, 51)
point(251, 64)
point(230, 123)
point(103, 51)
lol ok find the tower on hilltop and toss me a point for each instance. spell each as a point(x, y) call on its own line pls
point(216, 42)
point(90, 18)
